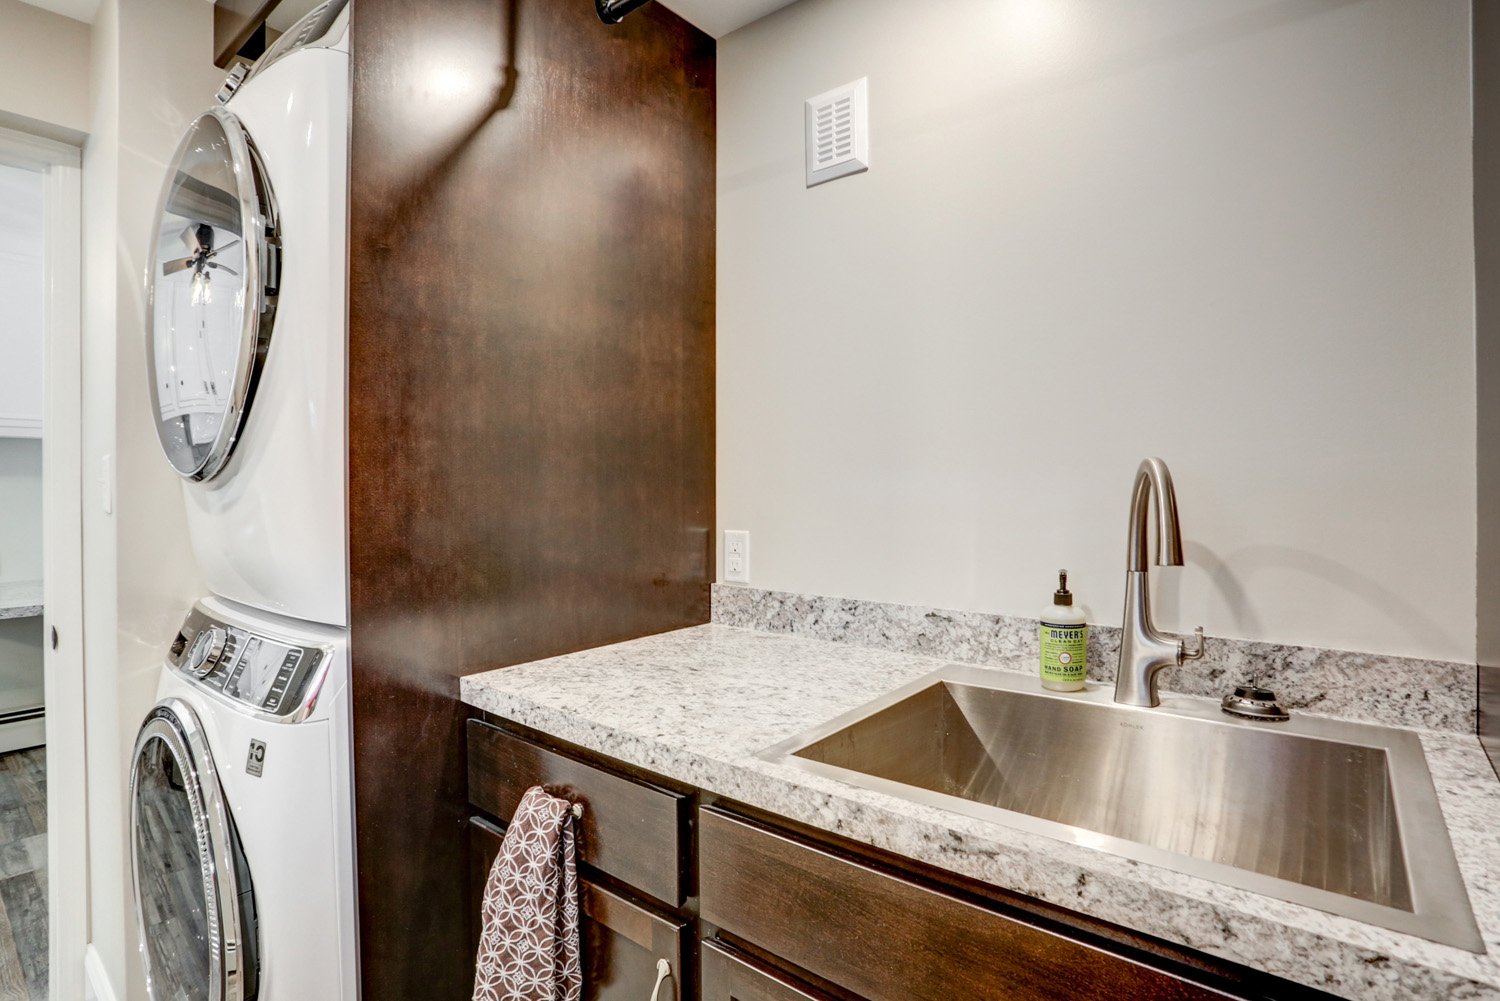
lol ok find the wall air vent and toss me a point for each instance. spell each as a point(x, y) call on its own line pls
point(838, 133)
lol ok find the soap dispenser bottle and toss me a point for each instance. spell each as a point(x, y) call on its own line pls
point(1065, 641)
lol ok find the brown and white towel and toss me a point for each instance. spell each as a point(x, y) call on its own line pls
point(529, 949)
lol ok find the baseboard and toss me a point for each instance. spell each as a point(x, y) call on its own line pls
point(96, 985)
point(22, 735)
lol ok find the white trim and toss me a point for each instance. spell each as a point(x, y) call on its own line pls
point(62, 560)
point(96, 978)
point(22, 149)
point(22, 734)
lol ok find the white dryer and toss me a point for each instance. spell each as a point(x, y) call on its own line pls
point(242, 814)
point(246, 320)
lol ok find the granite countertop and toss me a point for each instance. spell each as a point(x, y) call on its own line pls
point(20, 599)
point(697, 705)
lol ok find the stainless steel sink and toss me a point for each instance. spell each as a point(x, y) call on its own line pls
point(1338, 816)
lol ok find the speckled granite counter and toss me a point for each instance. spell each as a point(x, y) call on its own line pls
point(698, 705)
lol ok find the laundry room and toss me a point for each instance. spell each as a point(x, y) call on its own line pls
point(622, 500)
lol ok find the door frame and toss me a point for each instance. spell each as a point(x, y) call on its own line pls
point(62, 557)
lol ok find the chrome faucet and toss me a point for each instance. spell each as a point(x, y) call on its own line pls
point(1143, 650)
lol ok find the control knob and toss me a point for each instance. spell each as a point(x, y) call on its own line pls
point(203, 655)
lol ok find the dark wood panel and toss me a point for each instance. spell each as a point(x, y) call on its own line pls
point(728, 976)
point(235, 22)
point(633, 832)
point(622, 939)
point(531, 396)
point(881, 936)
point(1486, 59)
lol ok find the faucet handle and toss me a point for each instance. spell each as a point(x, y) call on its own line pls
point(1184, 654)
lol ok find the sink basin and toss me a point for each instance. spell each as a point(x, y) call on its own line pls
point(1338, 816)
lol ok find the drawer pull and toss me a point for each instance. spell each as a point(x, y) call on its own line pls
point(663, 971)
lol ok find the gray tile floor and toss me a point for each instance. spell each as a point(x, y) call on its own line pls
point(23, 875)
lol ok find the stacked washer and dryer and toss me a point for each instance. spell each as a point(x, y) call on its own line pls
point(241, 786)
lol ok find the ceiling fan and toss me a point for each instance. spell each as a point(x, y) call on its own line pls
point(199, 239)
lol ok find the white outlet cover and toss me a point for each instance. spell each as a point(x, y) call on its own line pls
point(838, 132)
point(736, 557)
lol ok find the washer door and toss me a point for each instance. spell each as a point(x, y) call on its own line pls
point(211, 293)
point(195, 906)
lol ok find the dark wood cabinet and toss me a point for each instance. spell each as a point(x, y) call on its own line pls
point(794, 915)
point(631, 830)
point(882, 936)
point(731, 976)
point(623, 940)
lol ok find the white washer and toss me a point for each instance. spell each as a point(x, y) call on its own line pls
point(242, 814)
point(246, 320)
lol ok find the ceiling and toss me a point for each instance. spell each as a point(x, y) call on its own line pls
point(78, 10)
point(720, 17)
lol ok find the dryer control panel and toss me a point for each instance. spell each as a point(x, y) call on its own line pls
point(270, 675)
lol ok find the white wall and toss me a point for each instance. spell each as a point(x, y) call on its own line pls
point(44, 72)
point(23, 305)
point(23, 333)
point(20, 559)
point(1233, 234)
point(20, 509)
point(152, 73)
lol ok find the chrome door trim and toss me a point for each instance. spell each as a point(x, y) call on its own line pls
point(261, 235)
point(174, 722)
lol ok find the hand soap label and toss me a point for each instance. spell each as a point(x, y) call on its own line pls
point(1065, 653)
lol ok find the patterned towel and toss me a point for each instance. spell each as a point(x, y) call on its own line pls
point(529, 950)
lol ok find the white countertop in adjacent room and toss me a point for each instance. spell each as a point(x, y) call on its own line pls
point(20, 599)
point(697, 705)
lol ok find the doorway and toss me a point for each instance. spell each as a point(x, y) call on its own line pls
point(43, 899)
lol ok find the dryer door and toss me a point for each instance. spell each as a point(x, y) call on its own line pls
point(195, 907)
point(211, 289)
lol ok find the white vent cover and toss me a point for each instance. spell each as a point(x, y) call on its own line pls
point(838, 133)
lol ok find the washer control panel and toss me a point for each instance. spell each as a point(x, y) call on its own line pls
point(267, 674)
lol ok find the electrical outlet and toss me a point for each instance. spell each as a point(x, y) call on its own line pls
point(737, 557)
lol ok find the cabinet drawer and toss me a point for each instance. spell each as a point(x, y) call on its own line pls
point(727, 976)
point(882, 936)
point(622, 940)
point(630, 830)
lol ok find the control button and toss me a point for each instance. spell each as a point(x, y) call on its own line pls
point(231, 683)
point(205, 651)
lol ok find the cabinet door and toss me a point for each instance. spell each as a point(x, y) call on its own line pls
point(623, 941)
point(728, 976)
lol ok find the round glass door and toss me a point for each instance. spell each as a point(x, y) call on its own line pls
point(195, 906)
point(211, 293)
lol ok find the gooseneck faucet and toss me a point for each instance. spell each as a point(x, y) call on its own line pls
point(1143, 650)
